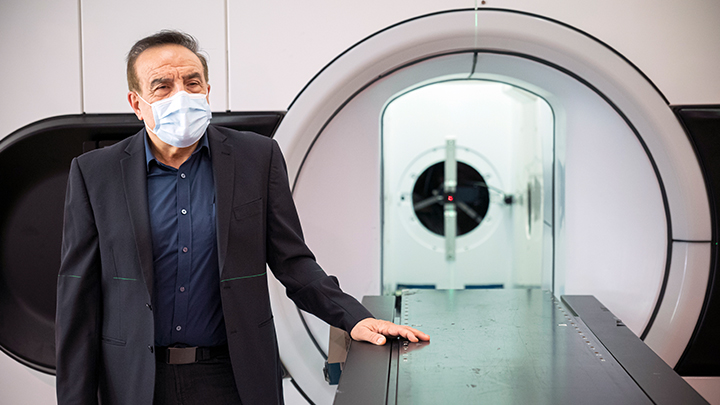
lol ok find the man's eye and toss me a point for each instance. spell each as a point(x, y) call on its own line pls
point(160, 90)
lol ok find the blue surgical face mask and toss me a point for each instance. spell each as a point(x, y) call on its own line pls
point(182, 119)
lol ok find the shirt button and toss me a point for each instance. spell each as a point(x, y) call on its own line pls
point(183, 211)
point(185, 249)
point(182, 175)
point(178, 328)
point(182, 289)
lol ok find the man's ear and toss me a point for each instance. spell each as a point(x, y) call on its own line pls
point(134, 101)
point(208, 94)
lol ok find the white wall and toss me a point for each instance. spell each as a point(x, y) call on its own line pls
point(110, 28)
point(40, 69)
point(275, 47)
point(677, 44)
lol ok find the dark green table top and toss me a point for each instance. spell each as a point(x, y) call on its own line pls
point(491, 346)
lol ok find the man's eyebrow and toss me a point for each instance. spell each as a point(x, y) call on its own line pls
point(159, 80)
point(194, 75)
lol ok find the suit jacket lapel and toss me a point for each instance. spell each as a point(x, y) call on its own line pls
point(224, 175)
point(134, 171)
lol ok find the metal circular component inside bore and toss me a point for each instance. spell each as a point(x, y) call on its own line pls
point(471, 198)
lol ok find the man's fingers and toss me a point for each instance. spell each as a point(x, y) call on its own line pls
point(404, 332)
point(421, 335)
point(407, 332)
point(417, 335)
point(363, 333)
point(374, 338)
point(372, 330)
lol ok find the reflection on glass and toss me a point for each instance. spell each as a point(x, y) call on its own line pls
point(498, 141)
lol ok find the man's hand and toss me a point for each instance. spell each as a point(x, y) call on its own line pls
point(374, 331)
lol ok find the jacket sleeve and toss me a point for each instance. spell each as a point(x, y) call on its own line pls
point(293, 263)
point(77, 320)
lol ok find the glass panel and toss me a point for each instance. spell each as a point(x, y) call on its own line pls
point(484, 224)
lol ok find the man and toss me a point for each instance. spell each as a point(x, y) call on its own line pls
point(162, 291)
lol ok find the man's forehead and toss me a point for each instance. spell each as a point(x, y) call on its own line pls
point(164, 59)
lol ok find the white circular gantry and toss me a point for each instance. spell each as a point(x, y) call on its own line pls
point(625, 213)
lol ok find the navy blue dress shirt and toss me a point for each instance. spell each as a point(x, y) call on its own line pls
point(186, 285)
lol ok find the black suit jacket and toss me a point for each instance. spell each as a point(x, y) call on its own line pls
point(104, 322)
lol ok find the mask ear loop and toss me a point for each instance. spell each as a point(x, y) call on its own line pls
point(146, 126)
point(139, 96)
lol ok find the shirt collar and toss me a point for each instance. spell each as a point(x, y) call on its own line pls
point(149, 156)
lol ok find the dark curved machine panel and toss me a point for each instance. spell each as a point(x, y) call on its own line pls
point(34, 162)
point(702, 355)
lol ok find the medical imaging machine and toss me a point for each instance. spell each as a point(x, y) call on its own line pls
point(461, 147)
